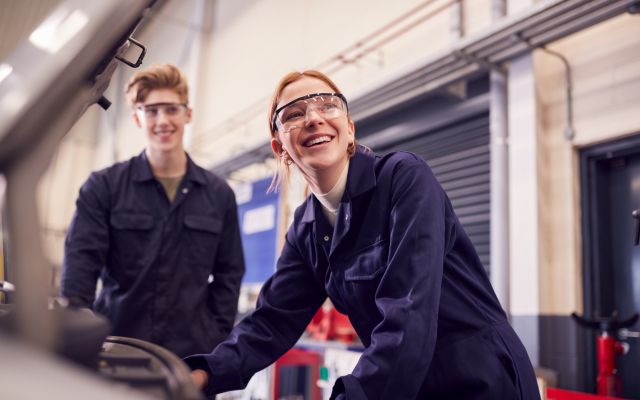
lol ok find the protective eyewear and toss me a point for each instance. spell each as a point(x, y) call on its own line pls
point(295, 114)
point(151, 111)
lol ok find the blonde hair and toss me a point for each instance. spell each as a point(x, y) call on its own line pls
point(157, 76)
point(282, 168)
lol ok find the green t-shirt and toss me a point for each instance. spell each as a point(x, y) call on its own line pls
point(170, 186)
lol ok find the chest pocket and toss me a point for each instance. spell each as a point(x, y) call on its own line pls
point(367, 263)
point(203, 237)
point(131, 239)
point(363, 271)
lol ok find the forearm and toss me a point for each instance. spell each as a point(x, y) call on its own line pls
point(254, 344)
point(223, 301)
point(86, 245)
point(80, 271)
point(287, 302)
point(227, 273)
point(78, 286)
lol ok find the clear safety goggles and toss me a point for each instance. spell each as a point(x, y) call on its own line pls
point(151, 111)
point(295, 114)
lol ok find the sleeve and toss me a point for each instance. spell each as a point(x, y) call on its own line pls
point(228, 270)
point(286, 304)
point(86, 245)
point(408, 296)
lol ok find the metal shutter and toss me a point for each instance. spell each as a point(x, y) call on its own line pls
point(459, 157)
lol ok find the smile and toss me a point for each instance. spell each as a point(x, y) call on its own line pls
point(318, 140)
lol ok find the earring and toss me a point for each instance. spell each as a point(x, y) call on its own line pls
point(285, 158)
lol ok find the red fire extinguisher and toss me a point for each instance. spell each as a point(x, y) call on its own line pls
point(608, 383)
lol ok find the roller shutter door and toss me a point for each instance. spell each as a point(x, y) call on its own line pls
point(459, 157)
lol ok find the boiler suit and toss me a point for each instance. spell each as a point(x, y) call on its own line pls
point(400, 265)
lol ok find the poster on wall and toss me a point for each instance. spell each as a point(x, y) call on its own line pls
point(258, 213)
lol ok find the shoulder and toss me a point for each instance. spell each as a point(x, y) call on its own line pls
point(216, 183)
point(117, 169)
point(110, 176)
point(390, 164)
point(103, 184)
point(402, 171)
point(398, 159)
point(216, 186)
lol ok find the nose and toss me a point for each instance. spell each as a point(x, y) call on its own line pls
point(313, 117)
point(161, 118)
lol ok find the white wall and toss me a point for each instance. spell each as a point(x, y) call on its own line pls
point(255, 43)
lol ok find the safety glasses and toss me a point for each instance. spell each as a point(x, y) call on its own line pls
point(294, 115)
point(151, 111)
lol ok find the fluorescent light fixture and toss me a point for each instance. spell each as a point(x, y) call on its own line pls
point(58, 29)
point(5, 70)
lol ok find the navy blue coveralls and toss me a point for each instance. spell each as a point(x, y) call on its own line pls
point(155, 257)
point(400, 265)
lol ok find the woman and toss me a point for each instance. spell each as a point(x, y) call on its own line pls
point(379, 237)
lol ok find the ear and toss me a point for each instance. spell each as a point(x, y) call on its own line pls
point(276, 146)
point(136, 119)
point(189, 112)
point(352, 130)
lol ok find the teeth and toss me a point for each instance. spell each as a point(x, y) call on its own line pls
point(317, 140)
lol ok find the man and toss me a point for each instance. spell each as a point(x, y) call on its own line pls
point(161, 232)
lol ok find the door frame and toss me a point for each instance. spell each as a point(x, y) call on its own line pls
point(592, 296)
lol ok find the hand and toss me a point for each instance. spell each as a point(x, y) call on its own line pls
point(200, 378)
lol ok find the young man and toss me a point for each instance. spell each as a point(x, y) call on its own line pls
point(161, 232)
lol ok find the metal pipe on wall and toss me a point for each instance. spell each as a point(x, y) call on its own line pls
point(345, 57)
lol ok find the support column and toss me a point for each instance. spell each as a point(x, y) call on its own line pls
point(523, 204)
point(498, 125)
point(499, 271)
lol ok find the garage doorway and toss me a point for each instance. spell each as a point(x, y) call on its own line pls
point(610, 177)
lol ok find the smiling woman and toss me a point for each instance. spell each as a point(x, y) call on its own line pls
point(312, 101)
point(379, 237)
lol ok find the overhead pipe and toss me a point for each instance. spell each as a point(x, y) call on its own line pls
point(342, 55)
point(346, 61)
point(561, 17)
point(569, 132)
point(256, 108)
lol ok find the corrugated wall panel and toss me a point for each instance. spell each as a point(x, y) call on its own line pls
point(459, 157)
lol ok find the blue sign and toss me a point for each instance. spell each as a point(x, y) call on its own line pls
point(259, 214)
